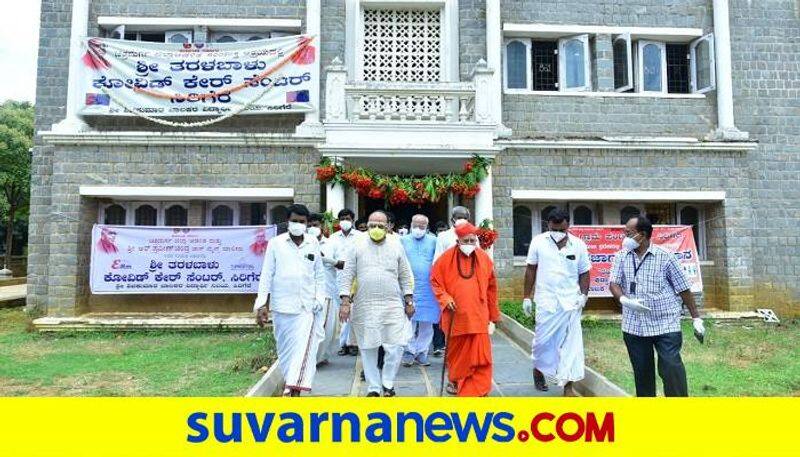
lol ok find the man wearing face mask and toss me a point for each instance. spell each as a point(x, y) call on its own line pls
point(342, 240)
point(464, 283)
point(650, 285)
point(558, 265)
point(330, 311)
point(379, 317)
point(292, 286)
point(420, 246)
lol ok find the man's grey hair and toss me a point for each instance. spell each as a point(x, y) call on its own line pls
point(460, 211)
point(420, 218)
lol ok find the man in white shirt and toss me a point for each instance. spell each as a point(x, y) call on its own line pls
point(447, 239)
point(330, 310)
point(558, 264)
point(292, 286)
point(341, 241)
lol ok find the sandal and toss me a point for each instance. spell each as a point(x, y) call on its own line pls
point(342, 351)
point(539, 382)
point(451, 388)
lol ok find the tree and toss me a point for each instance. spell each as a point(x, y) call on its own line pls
point(16, 141)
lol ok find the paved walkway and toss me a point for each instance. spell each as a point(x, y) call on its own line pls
point(512, 375)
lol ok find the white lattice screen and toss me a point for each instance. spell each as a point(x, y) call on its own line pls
point(402, 45)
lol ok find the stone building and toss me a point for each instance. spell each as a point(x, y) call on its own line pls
point(686, 110)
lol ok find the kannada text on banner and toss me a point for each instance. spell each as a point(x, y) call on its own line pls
point(198, 79)
point(605, 241)
point(170, 260)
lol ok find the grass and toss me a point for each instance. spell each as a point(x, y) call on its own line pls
point(128, 364)
point(738, 358)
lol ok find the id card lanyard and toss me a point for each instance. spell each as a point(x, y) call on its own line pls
point(632, 285)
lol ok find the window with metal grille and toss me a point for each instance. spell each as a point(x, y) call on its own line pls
point(678, 68)
point(545, 65)
point(402, 45)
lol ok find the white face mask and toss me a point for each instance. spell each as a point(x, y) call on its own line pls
point(459, 222)
point(296, 228)
point(629, 243)
point(314, 231)
point(467, 249)
point(417, 232)
point(557, 236)
point(345, 225)
point(402, 232)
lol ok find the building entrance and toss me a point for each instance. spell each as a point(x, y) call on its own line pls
point(436, 212)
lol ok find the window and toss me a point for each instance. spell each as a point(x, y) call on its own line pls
point(517, 70)
point(176, 215)
point(544, 55)
point(623, 70)
point(114, 214)
point(145, 214)
point(167, 36)
point(574, 66)
point(703, 73)
point(183, 36)
point(401, 45)
point(628, 212)
point(227, 37)
point(652, 68)
point(222, 214)
point(677, 68)
point(548, 65)
point(523, 229)
point(582, 215)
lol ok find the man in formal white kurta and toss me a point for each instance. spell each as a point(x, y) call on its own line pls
point(558, 264)
point(292, 287)
point(330, 310)
point(378, 266)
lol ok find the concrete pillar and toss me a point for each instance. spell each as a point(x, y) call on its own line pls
point(79, 27)
point(334, 194)
point(726, 128)
point(484, 199)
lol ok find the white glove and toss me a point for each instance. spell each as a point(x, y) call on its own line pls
point(582, 299)
point(491, 327)
point(697, 323)
point(633, 304)
point(527, 307)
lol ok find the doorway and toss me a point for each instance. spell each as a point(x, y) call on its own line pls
point(436, 212)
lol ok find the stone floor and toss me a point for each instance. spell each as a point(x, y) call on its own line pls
point(512, 375)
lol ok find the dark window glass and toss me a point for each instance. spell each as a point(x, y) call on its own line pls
point(222, 215)
point(620, 64)
point(176, 216)
point(545, 65)
point(522, 230)
point(258, 214)
point(691, 216)
point(154, 37)
point(146, 215)
point(677, 68)
point(582, 215)
point(114, 215)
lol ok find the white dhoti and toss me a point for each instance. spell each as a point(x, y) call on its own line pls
point(328, 321)
point(557, 346)
point(297, 337)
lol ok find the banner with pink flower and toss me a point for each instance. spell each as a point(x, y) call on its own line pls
point(124, 77)
point(177, 260)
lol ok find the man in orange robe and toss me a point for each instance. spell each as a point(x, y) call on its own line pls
point(464, 283)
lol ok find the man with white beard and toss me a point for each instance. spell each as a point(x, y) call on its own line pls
point(292, 287)
point(558, 264)
point(378, 266)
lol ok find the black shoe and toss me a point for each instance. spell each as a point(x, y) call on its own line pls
point(363, 378)
point(388, 392)
point(373, 394)
point(539, 381)
point(343, 350)
point(438, 352)
point(352, 350)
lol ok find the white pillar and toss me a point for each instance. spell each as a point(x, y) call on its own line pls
point(484, 199)
point(311, 125)
point(79, 27)
point(335, 95)
point(484, 203)
point(726, 128)
point(494, 50)
point(334, 193)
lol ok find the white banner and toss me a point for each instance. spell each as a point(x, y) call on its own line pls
point(199, 79)
point(177, 260)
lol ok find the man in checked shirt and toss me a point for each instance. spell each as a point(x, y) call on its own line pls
point(649, 283)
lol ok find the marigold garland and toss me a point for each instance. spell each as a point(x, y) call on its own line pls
point(398, 190)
